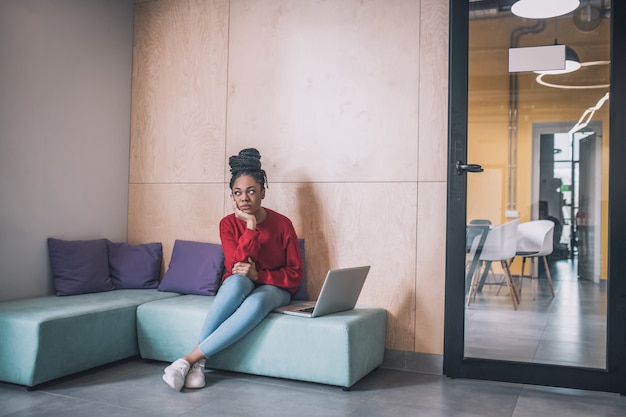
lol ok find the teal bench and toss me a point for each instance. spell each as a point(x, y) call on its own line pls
point(45, 338)
point(337, 349)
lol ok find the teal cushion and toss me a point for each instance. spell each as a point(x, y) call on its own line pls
point(337, 349)
point(45, 338)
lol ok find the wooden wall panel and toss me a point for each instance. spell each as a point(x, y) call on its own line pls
point(433, 91)
point(359, 224)
point(166, 212)
point(329, 93)
point(431, 272)
point(329, 89)
point(179, 91)
point(432, 174)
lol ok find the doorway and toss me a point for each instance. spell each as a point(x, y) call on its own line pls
point(569, 328)
point(567, 184)
point(472, 118)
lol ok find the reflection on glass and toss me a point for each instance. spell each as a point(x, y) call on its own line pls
point(518, 130)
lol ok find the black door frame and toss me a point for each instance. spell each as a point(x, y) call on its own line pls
point(613, 379)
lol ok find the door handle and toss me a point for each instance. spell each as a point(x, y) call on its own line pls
point(461, 168)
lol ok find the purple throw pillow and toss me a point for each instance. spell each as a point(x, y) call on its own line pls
point(301, 294)
point(79, 266)
point(135, 266)
point(195, 268)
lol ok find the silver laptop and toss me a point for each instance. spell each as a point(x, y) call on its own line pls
point(340, 292)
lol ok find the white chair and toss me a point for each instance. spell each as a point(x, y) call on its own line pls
point(534, 241)
point(500, 246)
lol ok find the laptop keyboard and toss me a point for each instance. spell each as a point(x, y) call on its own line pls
point(307, 310)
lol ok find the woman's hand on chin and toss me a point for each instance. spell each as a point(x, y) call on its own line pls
point(250, 219)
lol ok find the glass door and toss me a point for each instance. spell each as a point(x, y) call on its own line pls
point(530, 295)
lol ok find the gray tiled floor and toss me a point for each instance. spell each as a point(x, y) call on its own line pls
point(569, 329)
point(134, 388)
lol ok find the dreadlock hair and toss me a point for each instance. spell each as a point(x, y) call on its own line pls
point(247, 162)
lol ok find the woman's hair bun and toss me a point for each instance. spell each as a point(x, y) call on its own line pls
point(247, 162)
point(248, 159)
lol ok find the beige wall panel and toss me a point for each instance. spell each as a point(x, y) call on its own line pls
point(179, 91)
point(329, 89)
point(166, 212)
point(431, 267)
point(433, 91)
point(359, 224)
point(328, 92)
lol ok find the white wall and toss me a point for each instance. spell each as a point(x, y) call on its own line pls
point(65, 88)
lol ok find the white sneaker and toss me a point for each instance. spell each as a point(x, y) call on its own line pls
point(195, 376)
point(174, 375)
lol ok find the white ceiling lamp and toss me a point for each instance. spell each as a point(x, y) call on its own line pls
point(572, 63)
point(543, 9)
point(543, 82)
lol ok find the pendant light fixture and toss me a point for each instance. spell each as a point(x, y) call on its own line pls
point(572, 62)
point(543, 9)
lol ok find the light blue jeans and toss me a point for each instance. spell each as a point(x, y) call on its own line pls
point(239, 306)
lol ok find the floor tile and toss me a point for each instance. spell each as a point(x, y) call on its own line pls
point(569, 329)
point(134, 388)
point(554, 402)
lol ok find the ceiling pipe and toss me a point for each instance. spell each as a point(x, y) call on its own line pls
point(516, 34)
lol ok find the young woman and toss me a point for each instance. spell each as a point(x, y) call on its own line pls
point(263, 267)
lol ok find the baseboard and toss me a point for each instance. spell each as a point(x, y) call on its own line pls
point(413, 361)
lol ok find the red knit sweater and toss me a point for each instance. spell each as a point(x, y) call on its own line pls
point(273, 246)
